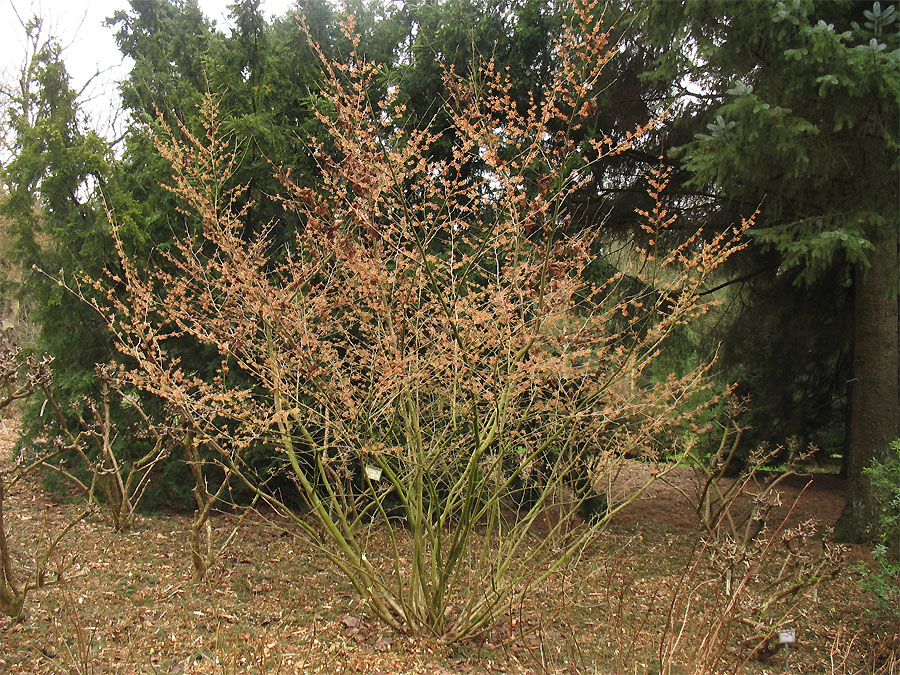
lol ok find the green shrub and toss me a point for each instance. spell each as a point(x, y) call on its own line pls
point(884, 578)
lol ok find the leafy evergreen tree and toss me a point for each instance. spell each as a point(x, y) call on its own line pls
point(794, 105)
point(56, 219)
point(262, 73)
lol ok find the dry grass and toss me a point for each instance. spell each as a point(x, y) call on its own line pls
point(129, 606)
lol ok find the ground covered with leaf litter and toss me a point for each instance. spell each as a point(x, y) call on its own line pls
point(127, 603)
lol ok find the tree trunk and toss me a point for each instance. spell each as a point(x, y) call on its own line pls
point(875, 401)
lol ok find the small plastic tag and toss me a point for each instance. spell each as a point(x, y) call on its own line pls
point(787, 637)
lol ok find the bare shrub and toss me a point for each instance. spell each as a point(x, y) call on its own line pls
point(19, 377)
point(116, 487)
point(847, 656)
point(753, 570)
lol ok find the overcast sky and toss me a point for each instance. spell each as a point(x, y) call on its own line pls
point(88, 45)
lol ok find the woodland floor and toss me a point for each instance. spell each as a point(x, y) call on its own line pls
point(272, 606)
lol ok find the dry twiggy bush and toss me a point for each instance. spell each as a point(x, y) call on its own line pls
point(115, 486)
point(113, 489)
point(755, 572)
point(427, 349)
point(20, 377)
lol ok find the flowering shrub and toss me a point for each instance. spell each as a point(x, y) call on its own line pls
point(427, 344)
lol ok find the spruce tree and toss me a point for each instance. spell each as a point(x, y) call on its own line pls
point(793, 107)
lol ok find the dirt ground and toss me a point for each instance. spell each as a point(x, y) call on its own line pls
point(127, 604)
point(824, 496)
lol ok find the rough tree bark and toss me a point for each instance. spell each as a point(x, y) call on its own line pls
point(875, 401)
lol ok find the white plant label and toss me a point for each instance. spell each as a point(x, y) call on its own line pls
point(787, 637)
point(373, 472)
